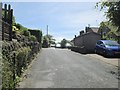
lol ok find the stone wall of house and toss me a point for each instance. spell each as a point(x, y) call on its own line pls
point(88, 41)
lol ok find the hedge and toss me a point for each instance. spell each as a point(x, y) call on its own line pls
point(16, 56)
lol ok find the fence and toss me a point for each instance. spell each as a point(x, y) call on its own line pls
point(7, 15)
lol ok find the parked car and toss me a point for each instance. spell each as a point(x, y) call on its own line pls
point(107, 48)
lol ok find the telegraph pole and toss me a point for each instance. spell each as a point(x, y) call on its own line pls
point(47, 30)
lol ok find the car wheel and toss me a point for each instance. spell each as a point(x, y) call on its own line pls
point(105, 54)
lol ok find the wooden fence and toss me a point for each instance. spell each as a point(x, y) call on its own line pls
point(7, 14)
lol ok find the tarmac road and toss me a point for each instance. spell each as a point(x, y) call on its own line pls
point(62, 68)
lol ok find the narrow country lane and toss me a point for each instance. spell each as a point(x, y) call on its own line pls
point(62, 68)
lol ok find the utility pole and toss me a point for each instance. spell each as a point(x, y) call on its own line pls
point(47, 30)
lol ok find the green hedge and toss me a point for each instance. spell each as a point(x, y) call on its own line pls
point(37, 34)
point(15, 59)
point(13, 64)
point(32, 38)
point(22, 59)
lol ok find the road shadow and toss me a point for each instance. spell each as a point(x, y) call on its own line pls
point(111, 57)
point(85, 53)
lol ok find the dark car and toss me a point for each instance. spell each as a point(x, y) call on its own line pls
point(107, 48)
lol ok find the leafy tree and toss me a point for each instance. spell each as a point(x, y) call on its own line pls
point(50, 38)
point(63, 43)
point(45, 43)
point(113, 11)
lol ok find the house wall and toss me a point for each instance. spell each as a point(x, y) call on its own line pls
point(88, 41)
point(78, 41)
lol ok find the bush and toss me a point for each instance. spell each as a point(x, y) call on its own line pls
point(26, 33)
point(16, 57)
point(37, 34)
point(22, 59)
point(8, 66)
point(45, 43)
point(32, 38)
point(13, 51)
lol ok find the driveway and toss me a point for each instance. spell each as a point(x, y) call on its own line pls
point(112, 61)
point(62, 68)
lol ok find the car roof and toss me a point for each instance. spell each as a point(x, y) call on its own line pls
point(106, 41)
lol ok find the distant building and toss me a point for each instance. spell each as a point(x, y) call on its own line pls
point(87, 39)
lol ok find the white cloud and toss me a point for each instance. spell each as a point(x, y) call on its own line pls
point(83, 18)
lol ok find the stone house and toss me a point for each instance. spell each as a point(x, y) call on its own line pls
point(87, 39)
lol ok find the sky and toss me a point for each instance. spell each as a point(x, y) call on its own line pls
point(64, 19)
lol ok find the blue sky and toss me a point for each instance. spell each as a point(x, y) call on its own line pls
point(65, 19)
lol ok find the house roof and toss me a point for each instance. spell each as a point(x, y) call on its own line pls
point(87, 34)
point(94, 29)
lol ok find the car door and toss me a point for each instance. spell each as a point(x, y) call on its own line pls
point(100, 47)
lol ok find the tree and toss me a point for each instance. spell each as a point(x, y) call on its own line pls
point(45, 43)
point(63, 43)
point(50, 39)
point(113, 11)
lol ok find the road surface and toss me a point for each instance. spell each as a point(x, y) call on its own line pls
point(62, 68)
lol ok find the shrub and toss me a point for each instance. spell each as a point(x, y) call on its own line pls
point(37, 34)
point(26, 33)
point(7, 71)
point(22, 59)
point(32, 38)
point(12, 51)
point(15, 58)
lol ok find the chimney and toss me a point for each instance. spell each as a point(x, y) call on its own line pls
point(86, 29)
point(81, 32)
point(75, 36)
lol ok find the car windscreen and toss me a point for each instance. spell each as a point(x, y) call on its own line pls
point(111, 43)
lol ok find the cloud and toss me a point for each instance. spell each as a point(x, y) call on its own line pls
point(83, 18)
